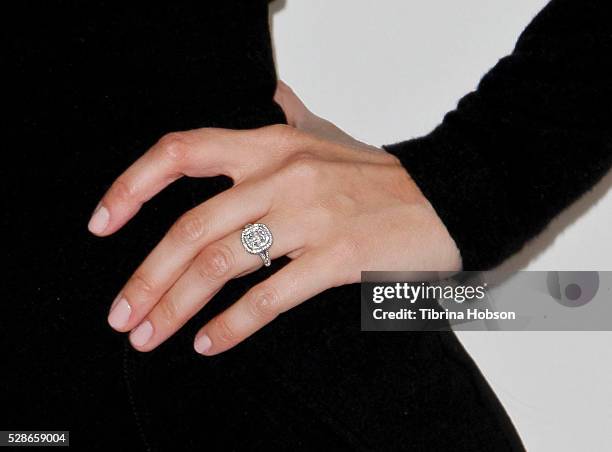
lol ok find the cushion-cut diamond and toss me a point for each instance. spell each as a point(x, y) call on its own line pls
point(256, 238)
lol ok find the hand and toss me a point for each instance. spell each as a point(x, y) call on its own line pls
point(335, 207)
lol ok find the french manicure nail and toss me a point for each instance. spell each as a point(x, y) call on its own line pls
point(202, 344)
point(141, 335)
point(120, 314)
point(99, 220)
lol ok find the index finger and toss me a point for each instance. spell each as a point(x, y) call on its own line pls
point(200, 153)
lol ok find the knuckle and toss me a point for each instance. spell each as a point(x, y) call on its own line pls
point(121, 191)
point(281, 130)
point(215, 262)
point(189, 228)
point(223, 331)
point(140, 284)
point(173, 145)
point(304, 166)
point(169, 310)
point(264, 303)
point(285, 137)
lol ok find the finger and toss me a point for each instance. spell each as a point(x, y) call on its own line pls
point(214, 219)
point(199, 153)
point(209, 272)
point(295, 283)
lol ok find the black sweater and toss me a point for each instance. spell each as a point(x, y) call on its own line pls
point(90, 85)
point(533, 137)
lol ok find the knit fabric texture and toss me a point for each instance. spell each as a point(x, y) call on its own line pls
point(531, 139)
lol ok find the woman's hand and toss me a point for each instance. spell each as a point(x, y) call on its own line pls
point(335, 207)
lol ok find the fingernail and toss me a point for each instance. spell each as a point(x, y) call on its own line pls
point(99, 220)
point(117, 299)
point(120, 314)
point(141, 335)
point(202, 344)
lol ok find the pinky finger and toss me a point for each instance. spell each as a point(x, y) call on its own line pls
point(290, 286)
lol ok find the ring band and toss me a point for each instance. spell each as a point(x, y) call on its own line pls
point(257, 239)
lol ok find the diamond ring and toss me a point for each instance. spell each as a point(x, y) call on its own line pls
point(257, 239)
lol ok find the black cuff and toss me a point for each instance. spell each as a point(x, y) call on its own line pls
point(531, 139)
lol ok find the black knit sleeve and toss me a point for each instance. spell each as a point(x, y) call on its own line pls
point(533, 137)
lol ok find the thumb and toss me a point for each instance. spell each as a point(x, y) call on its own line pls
point(293, 107)
point(302, 118)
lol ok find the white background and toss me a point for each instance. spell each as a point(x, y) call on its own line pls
point(388, 70)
